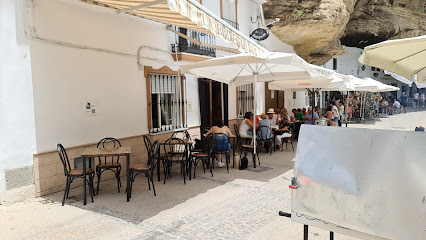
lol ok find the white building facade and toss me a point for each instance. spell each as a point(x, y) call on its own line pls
point(73, 72)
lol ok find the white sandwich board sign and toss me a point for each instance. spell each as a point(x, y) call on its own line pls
point(364, 183)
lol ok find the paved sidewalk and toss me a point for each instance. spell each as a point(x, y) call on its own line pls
point(235, 205)
point(241, 209)
point(402, 122)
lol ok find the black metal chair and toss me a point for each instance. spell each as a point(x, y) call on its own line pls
point(265, 136)
point(248, 148)
point(147, 169)
point(219, 142)
point(238, 143)
point(72, 174)
point(176, 152)
point(182, 135)
point(202, 154)
point(147, 143)
point(112, 165)
point(287, 140)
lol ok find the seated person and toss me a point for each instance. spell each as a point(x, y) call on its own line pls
point(397, 105)
point(330, 116)
point(272, 117)
point(246, 127)
point(257, 119)
point(220, 142)
point(282, 132)
point(265, 123)
point(308, 117)
point(298, 114)
point(304, 111)
point(317, 110)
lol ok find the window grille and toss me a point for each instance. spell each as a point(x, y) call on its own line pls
point(245, 99)
point(168, 102)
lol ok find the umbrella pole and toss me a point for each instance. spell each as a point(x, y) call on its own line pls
point(254, 117)
point(313, 104)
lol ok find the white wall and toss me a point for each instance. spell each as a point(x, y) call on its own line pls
point(16, 95)
point(299, 102)
point(65, 78)
point(193, 97)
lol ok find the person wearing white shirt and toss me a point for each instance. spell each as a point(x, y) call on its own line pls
point(422, 99)
point(416, 99)
point(335, 111)
point(397, 105)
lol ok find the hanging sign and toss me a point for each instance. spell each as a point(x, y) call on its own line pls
point(259, 34)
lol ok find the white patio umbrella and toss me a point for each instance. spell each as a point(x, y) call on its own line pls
point(405, 57)
point(363, 85)
point(242, 69)
point(332, 80)
point(381, 87)
point(406, 81)
point(339, 82)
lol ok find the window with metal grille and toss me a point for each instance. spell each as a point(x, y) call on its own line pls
point(168, 102)
point(245, 99)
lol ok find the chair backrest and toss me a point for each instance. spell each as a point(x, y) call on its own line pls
point(147, 143)
point(153, 154)
point(237, 131)
point(64, 158)
point(182, 135)
point(109, 143)
point(220, 141)
point(175, 149)
point(265, 133)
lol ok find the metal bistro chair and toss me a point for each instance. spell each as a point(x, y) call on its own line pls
point(112, 164)
point(176, 152)
point(182, 135)
point(219, 142)
point(161, 156)
point(269, 138)
point(246, 148)
point(72, 174)
point(203, 155)
point(147, 169)
point(287, 140)
point(238, 143)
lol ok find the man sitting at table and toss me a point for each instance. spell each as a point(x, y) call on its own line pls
point(308, 117)
point(297, 114)
point(272, 117)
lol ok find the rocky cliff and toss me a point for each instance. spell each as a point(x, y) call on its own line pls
point(318, 28)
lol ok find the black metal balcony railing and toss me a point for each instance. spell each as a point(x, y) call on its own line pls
point(187, 46)
point(232, 23)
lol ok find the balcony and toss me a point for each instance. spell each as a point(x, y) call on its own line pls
point(185, 46)
point(232, 23)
